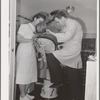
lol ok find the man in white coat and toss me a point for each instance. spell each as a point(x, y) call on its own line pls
point(71, 36)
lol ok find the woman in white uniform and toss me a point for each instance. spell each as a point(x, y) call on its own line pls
point(26, 56)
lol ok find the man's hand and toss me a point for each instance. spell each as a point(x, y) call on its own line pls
point(49, 32)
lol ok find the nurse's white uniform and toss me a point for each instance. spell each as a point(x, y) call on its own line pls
point(26, 57)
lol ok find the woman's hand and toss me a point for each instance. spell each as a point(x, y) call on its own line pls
point(34, 37)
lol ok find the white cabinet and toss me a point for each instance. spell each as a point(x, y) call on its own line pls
point(91, 81)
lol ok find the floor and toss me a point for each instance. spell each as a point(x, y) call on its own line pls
point(63, 93)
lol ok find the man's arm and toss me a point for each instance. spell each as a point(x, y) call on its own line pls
point(67, 35)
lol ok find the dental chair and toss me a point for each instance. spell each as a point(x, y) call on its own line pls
point(45, 43)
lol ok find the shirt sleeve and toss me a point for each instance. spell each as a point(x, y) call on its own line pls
point(23, 30)
point(68, 33)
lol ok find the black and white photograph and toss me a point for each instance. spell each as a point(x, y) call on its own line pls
point(52, 50)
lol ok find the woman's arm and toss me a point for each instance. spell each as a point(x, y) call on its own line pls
point(21, 39)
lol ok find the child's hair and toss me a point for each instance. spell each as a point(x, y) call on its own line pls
point(41, 27)
point(62, 13)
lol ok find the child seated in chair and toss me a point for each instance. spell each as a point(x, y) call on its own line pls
point(45, 43)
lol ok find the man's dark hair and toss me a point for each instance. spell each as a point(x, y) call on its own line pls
point(54, 12)
point(62, 13)
point(39, 15)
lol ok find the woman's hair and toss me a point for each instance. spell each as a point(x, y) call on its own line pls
point(41, 27)
point(39, 15)
point(62, 13)
point(46, 15)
